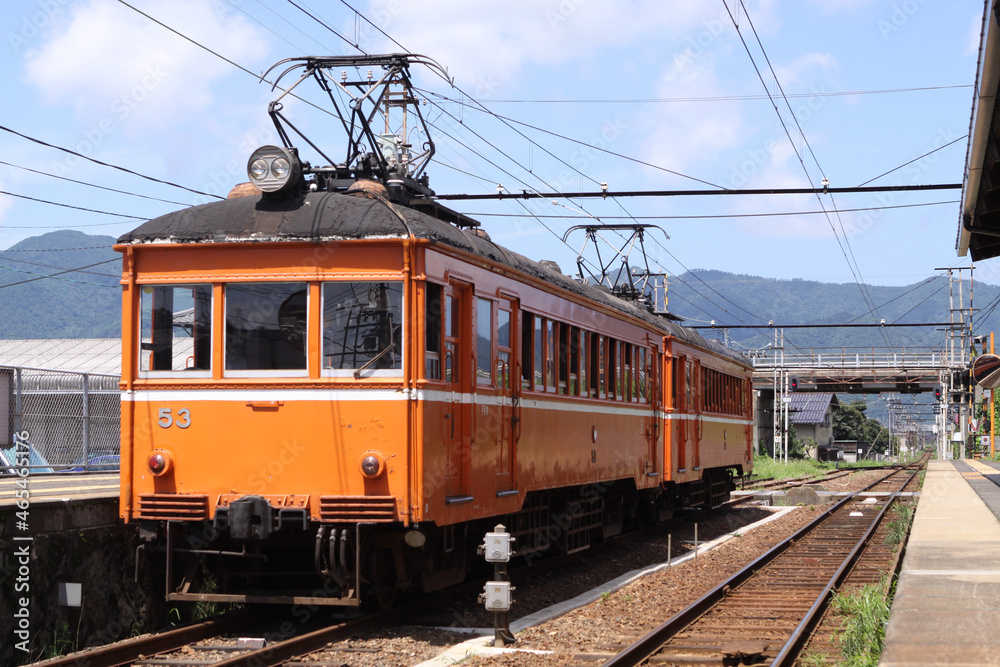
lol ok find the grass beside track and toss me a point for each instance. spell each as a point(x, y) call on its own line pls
point(766, 467)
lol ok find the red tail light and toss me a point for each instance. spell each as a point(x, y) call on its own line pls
point(160, 462)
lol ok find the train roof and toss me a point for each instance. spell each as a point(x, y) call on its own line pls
point(330, 216)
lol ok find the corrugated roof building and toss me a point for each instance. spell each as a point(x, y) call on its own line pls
point(83, 355)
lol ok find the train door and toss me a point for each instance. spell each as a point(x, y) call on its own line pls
point(649, 392)
point(459, 376)
point(682, 393)
point(508, 385)
point(697, 400)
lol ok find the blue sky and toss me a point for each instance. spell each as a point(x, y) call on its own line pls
point(873, 84)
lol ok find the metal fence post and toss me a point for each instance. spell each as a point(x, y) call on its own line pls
point(17, 402)
point(86, 421)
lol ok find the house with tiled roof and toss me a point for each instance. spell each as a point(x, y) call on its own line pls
point(812, 417)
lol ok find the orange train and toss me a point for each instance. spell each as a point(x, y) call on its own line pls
point(328, 396)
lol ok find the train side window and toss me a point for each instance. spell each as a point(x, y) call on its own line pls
point(564, 354)
point(432, 320)
point(642, 372)
point(527, 368)
point(175, 324)
point(603, 372)
point(503, 348)
point(539, 353)
point(550, 356)
point(595, 365)
point(629, 388)
point(580, 337)
point(613, 368)
point(681, 383)
point(266, 328)
point(484, 341)
point(363, 329)
point(688, 386)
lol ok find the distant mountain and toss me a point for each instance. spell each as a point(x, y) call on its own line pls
point(733, 299)
point(85, 303)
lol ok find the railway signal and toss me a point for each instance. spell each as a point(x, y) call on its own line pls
point(497, 548)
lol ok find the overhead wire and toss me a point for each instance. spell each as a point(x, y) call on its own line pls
point(108, 164)
point(58, 273)
point(78, 208)
point(912, 161)
point(728, 98)
point(92, 185)
point(51, 266)
point(656, 241)
point(712, 216)
point(515, 161)
point(866, 295)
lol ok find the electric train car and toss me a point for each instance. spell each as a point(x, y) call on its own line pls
point(329, 393)
point(333, 385)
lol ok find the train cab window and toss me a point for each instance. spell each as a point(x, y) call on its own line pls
point(266, 328)
point(363, 329)
point(432, 343)
point(484, 341)
point(175, 329)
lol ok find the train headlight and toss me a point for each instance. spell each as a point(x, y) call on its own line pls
point(274, 170)
point(258, 170)
point(372, 465)
point(160, 461)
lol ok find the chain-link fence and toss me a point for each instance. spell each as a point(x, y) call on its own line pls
point(71, 419)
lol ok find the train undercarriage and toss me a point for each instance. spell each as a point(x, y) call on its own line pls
point(256, 555)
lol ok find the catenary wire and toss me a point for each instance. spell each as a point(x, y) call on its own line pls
point(865, 294)
point(107, 164)
point(78, 208)
point(92, 185)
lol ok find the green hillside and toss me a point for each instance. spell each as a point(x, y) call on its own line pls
point(77, 304)
point(87, 303)
point(738, 299)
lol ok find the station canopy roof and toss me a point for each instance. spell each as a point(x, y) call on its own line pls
point(979, 228)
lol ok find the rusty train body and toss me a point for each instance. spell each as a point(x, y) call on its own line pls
point(330, 397)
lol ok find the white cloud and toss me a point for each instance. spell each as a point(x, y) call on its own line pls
point(112, 63)
point(484, 45)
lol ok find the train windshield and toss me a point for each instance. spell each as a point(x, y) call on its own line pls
point(362, 328)
point(266, 326)
point(176, 328)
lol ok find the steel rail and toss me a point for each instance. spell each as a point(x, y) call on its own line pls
point(296, 647)
point(128, 651)
point(654, 640)
point(790, 651)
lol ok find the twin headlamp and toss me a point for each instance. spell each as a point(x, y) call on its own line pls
point(275, 170)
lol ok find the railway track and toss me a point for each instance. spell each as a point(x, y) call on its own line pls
point(765, 613)
point(214, 642)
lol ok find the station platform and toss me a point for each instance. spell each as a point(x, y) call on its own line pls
point(61, 501)
point(947, 605)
